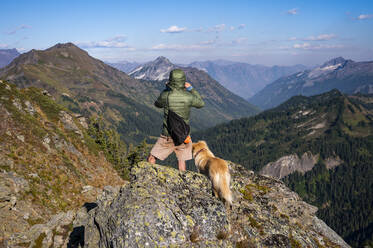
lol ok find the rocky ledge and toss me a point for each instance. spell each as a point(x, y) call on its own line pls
point(162, 207)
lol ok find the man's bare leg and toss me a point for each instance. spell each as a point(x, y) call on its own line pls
point(182, 166)
point(152, 159)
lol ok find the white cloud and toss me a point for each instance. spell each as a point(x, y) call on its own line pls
point(293, 11)
point(217, 28)
point(173, 30)
point(118, 38)
point(114, 42)
point(364, 17)
point(21, 49)
point(241, 26)
point(200, 29)
point(3, 45)
point(240, 40)
point(208, 42)
point(302, 46)
point(178, 47)
point(18, 29)
point(321, 37)
point(308, 46)
point(103, 44)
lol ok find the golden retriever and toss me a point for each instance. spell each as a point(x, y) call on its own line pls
point(215, 168)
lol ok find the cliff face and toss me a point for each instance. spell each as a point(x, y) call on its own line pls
point(288, 164)
point(163, 207)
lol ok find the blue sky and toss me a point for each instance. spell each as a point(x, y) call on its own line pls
point(258, 32)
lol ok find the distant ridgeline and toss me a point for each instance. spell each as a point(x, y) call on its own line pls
point(345, 75)
point(241, 78)
point(7, 55)
point(330, 127)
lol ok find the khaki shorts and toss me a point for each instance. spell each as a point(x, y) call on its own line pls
point(165, 146)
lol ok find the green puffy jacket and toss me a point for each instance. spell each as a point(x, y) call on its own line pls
point(178, 99)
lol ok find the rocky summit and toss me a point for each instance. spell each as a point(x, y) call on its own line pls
point(162, 207)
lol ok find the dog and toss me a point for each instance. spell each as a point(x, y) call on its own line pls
point(215, 168)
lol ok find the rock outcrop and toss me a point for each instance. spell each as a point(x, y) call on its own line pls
point(289, 164)
point(162, 207)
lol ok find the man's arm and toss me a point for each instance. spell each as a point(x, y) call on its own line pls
point(161, 101)
point(197, 101)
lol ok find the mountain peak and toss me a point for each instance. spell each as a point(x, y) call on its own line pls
point(335, 61)
point(157, 70)
point(64, 45)
point(54, 54)
point(162, 59)
point(334, 92)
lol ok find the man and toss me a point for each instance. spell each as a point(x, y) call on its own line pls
point(179, 96)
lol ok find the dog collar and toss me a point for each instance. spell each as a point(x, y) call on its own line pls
point(203, 149)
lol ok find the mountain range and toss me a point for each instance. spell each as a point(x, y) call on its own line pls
point(241, 78)
point(90, 87)
point(320, 146)
point(7, 55)
point(345, 75)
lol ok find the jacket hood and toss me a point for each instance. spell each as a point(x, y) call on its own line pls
point(177, 79)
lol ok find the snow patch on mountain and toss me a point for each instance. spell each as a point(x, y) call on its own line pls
point(323, 70)
point(163, 74)
point(136, 69)
point(331, 67)
point(157, 70)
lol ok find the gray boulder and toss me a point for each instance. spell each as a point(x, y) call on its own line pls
point(162, 207)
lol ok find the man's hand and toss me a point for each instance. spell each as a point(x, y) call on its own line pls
point(188, 86)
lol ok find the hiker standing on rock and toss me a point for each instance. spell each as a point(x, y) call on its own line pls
point(177, 100)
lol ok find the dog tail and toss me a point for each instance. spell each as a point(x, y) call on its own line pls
point(224, 188)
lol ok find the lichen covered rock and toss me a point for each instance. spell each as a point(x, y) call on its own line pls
point(162, 207)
